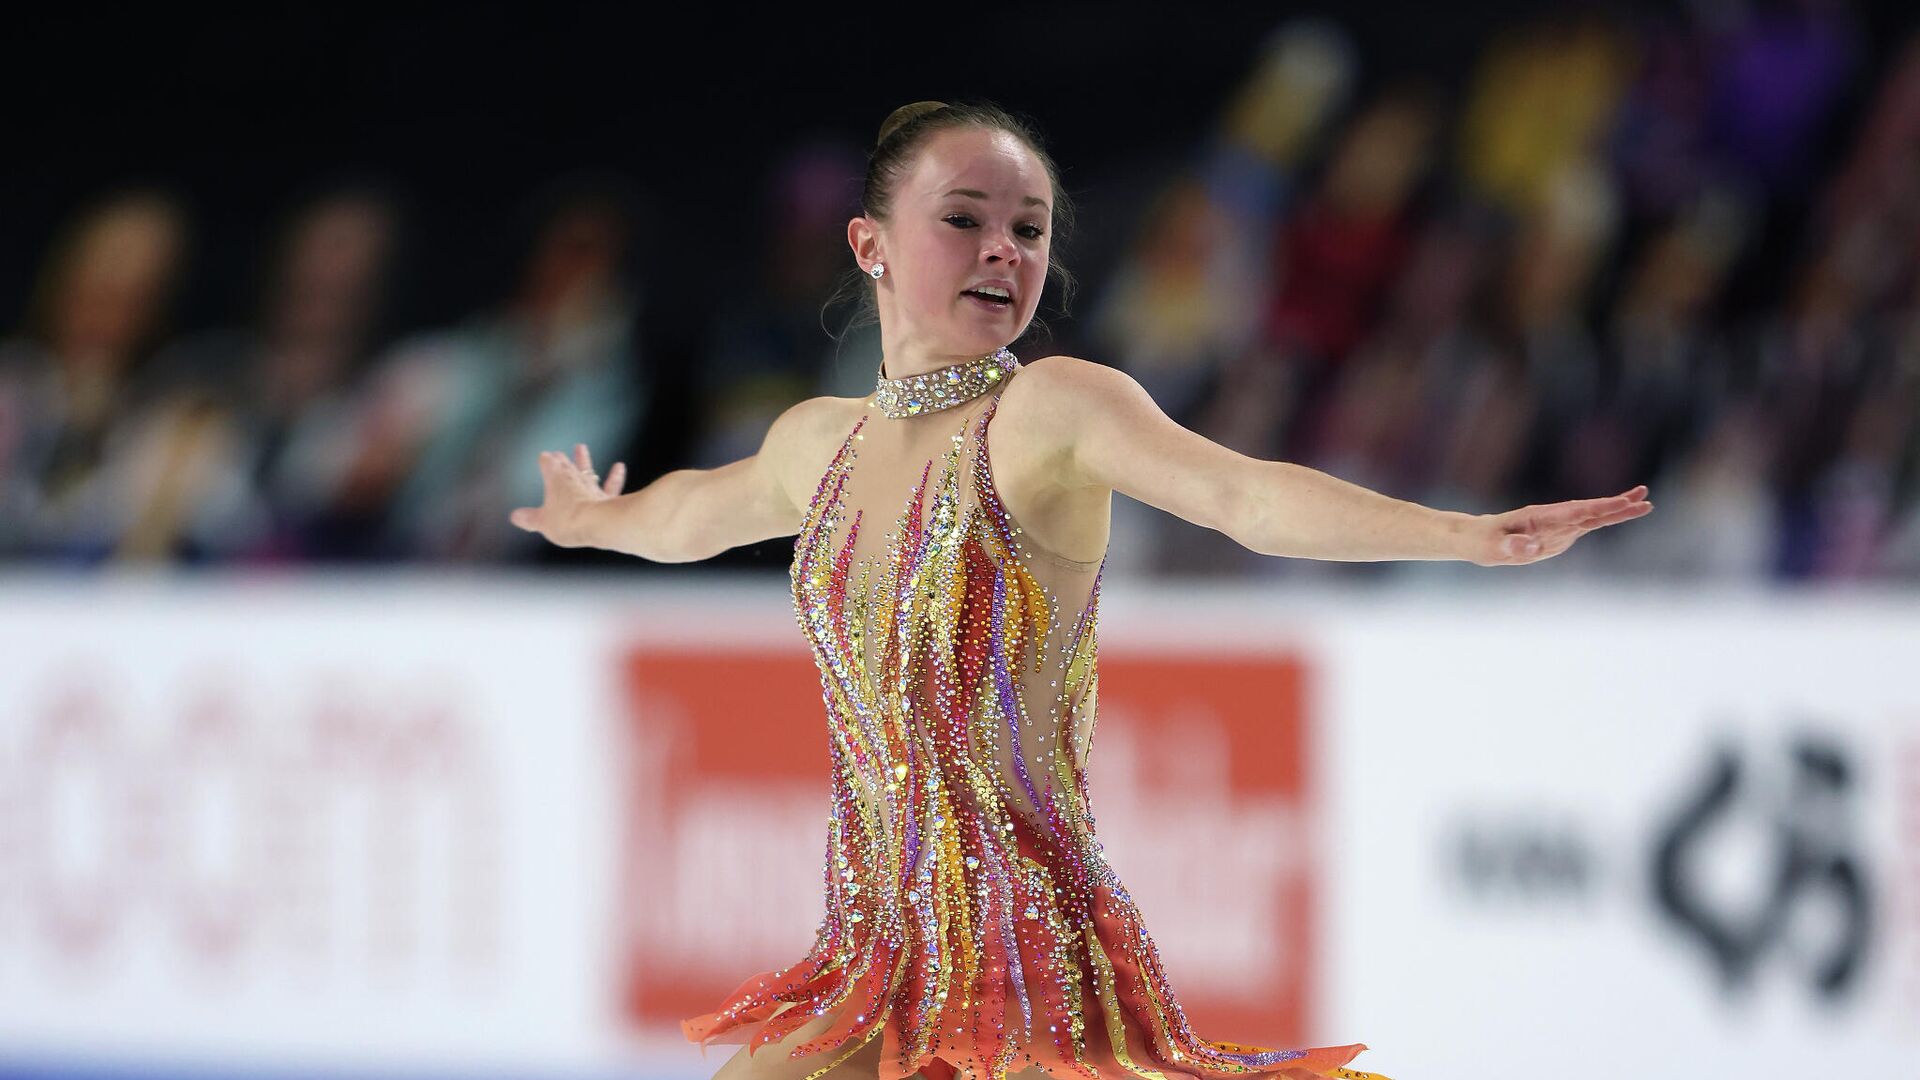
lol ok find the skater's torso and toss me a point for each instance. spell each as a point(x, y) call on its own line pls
point(906, 514)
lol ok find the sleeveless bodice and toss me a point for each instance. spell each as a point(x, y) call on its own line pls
point(936, 611)
point(971, 918)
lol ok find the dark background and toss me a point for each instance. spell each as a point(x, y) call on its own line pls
point(468, 111)
point(468, 114)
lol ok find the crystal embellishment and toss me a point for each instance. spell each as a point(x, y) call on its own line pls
point(932, 391)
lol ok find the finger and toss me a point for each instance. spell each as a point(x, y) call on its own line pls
point(1582, 511)
point(561, 470)
point(1630, 497)
point(1624, 512)
point(1603, 506)
point(616, 477)
point(1637, 510)
point(1557, 515)
point(582, 457)
point(523, 517)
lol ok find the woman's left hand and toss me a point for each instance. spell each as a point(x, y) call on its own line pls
point(1532, 533)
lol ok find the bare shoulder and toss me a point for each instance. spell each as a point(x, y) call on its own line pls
point(1054, 390)
point(1049, 401)
point(801, 442)
point(1051, 381)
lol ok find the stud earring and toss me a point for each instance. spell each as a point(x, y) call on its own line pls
point(878, 269)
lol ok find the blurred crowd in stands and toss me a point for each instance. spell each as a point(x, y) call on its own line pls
point(1678, 252)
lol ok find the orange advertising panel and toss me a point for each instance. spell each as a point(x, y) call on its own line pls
point(1200, 787)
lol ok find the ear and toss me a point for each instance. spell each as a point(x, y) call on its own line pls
point(864, 239)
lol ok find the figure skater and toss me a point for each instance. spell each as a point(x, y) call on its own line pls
point(972, 927)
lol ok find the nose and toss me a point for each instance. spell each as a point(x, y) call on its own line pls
point(1000, 247)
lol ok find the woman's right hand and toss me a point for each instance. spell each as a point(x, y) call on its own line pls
point(571, 485)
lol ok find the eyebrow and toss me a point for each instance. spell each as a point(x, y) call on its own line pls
point(970, 193)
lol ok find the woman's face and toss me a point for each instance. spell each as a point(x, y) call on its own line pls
point(975, 209)
point(118, 279)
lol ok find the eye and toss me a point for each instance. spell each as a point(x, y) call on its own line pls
point(1036, 234)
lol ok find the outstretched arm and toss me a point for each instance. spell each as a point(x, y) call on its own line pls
point(1115, 436)
point(682, 516)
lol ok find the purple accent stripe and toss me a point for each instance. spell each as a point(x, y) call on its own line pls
point(1001, 897)
point(1003, 682)
point(912, 819)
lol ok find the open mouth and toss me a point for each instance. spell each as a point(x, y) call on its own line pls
point(989, 299)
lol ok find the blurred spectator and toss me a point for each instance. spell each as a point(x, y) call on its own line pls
point(1658, 141)
point(1276, 118)
point(1338, 254)
point(1539, 104)
point(1181, 304)
point(442, 439)
point(1778, 70)
point(273, 390)
point(1737, 96)
point(85, 458)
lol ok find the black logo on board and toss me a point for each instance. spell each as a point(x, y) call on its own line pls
point(1812, 869)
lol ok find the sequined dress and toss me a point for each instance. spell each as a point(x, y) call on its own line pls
point(972, 923)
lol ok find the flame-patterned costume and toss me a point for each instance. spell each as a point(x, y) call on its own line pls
point(972, 923)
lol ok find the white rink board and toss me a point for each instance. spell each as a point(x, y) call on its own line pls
point(306, 895)
point(1497, 773)
point(1519, 783)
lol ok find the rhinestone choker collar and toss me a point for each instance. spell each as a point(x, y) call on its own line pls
point(949, 386)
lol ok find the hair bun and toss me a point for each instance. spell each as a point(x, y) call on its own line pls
point(905, 115)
